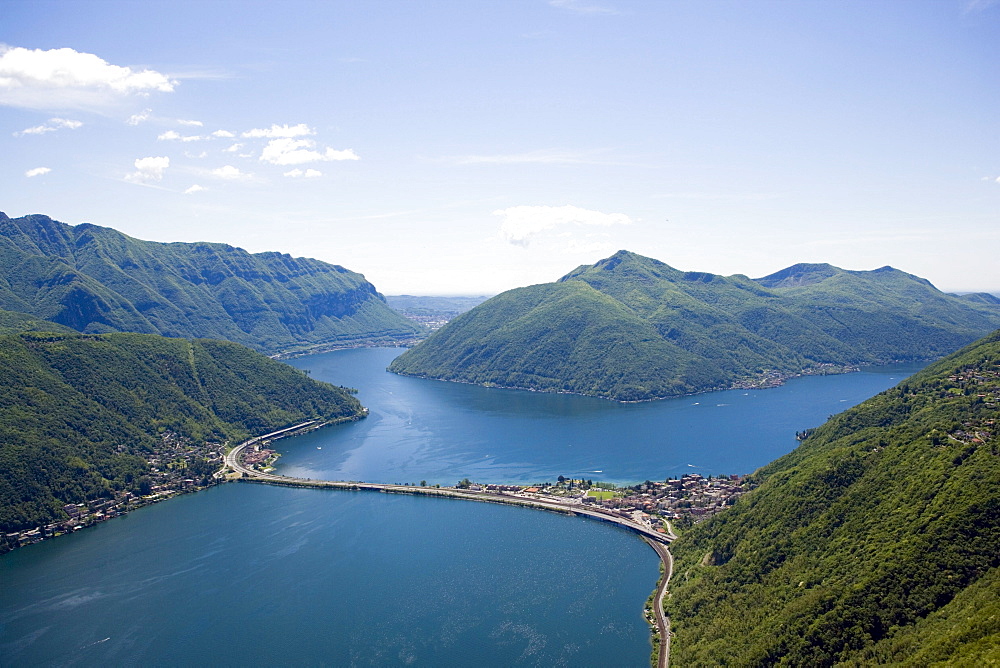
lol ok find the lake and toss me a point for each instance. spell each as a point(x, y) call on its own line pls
point(441, 432)
point(246, 574)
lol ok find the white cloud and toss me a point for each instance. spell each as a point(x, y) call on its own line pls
point(37, 171)
point(224, 134)
point(173, 135)
point(230, 173)
point(141, 117)
point(308, 174)
point(285, 131)
point(59, 78)
point(148, 169)
point(233, 148)
point(53, 125)
point(521, 223)
point(288, 151)
point(194, 189)
point(191, 124)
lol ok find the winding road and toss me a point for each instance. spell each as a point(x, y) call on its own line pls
point(662, 621)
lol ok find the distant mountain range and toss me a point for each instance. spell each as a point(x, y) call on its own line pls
point(876, 542)
point(447, 305)
point(95, 279)
point(633, 328)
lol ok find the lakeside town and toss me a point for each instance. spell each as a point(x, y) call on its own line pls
point(180, 467)
point(683, 501)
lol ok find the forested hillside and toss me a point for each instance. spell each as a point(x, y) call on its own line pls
point(95, 279)
point(876, 542)
point(81, 415)
point(12, 322)
point(633, 328)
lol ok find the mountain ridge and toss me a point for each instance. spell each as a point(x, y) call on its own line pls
point(96, 279)
point(692, 331)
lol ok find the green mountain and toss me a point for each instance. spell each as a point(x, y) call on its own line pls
point(12, 322)
point(633, 328)
point(80, 415)
point(95, 279)
point(876, 542)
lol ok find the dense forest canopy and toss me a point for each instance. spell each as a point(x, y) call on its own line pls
point(633, 328)
point(94, 279)
point(876, 542)
point(80, 415)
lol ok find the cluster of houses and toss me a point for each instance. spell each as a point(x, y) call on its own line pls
point(984, 383)
point(432, 322)
point(259, 458)
point(691, 495)
point(772, 378)
point(176, 467)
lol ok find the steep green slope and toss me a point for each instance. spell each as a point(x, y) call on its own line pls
point(876, 541)
point(664, 332)
point(95, 279)
point(883, 312)
point(12, 322)
point(570, 337)
point(80, 414)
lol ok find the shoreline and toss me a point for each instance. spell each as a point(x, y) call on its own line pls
point(657, 540)
point(99, 511)
point(762, 383)
point(233, 470)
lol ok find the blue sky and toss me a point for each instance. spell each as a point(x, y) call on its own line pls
point(470, 147)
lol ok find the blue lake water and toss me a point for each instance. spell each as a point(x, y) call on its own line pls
point(441, 432)
point(248, 574)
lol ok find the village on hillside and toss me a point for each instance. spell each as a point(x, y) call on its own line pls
point(176, 467)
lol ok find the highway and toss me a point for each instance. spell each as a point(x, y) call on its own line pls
point(233, 462)
point(662, 621)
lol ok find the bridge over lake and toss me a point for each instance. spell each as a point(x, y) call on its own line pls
point(234, 463)
point(656, 539)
